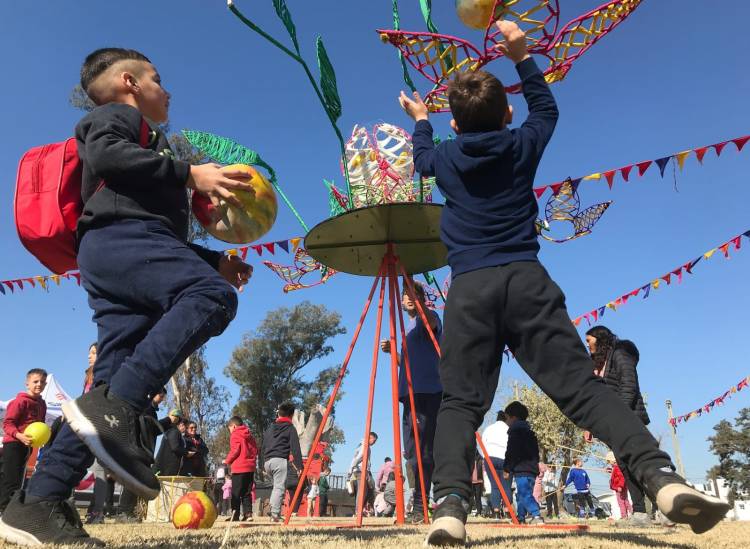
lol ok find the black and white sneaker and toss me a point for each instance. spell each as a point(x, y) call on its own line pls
point(682, 503)
point(53, 522)
point(449, 522)
point(111, 429)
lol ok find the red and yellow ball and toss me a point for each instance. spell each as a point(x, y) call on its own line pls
point(239, 225)
point(194, 510)
point(475, 14)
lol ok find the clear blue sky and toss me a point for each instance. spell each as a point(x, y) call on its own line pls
point(671, 77)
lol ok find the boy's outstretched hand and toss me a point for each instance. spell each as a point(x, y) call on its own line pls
point(218, 183)
point(414, 107)
point(235, 271)
point(514, 46)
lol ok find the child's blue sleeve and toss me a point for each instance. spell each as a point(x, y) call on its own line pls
point(424, 148)
point(536, 131)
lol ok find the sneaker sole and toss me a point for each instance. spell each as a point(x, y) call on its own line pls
point(19, 537)
point(86, 431)
point(687, 506)
point(446, 531)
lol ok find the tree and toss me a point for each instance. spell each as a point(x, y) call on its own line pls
point(268, 364)
point(731, 444)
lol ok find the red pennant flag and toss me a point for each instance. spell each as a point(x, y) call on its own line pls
point(77, 276)
point(19, 283)
point(626, 172)
point(619, 301)
point(667, 278)
point(634, 292)
point(269, 246)
point(736, 241)
point(678, 273)
point(740, 142)
point(258, 248)
point(588, 320)
point(700, 153)
point(643, 166)
point(556, 188)
point(725, 249)
point(719, 147)
point(610, 176)
point(577, 321)
point(243, 253)
point(625, 298)
point(30, 281)
point(539, 191)
point(595, 314)
point(9, 284)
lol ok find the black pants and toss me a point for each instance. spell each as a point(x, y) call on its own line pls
point(583, 502)
point(242, 483)
point(637, 496)
point(128, 501)
point(519, 305)
point(478, 489)
point(426, 406)
point(323, 504)
point(15, 456)
point(551, 501)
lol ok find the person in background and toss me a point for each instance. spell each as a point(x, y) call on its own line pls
point(226, 501)
point(582, 498)
point(323, 488)
point(477, 484)
point(549, 484)
point(538, 492)
point(280, 441)
point(495, 440)
point(362, 479)
point(382, 477)
point(242, 458)
point(522, 461)
point(173, 448)
point(618, 485)
point(195, 465)
point(312, 495)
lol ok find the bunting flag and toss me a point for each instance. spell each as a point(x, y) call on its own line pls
point(718, 401)
point(661, 163)
point(12, 285)
point(659, 282)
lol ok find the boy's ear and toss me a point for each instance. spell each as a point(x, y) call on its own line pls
point(509, 115)
point(454, 126)
point(129, 82)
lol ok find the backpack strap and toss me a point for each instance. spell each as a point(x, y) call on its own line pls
point(145, 133)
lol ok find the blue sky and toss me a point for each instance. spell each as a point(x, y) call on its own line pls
point(668, 79)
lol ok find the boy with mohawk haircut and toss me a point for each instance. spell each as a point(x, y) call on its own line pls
point(501, 295)
point(156, 298)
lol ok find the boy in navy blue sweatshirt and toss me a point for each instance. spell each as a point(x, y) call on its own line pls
point(156, 297)
point(522, 461)
point(501, 295)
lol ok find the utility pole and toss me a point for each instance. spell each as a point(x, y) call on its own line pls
point(675, 441)
point(516, 396)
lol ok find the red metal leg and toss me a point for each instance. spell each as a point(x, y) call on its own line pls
point(368, 421)
point(398, 468)
point(415, 429)
point(497, 480)
point(332, 398)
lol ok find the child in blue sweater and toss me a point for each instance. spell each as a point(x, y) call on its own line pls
point(501, 295)
point(580, 479)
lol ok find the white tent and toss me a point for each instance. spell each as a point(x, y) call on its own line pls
point(54, 395)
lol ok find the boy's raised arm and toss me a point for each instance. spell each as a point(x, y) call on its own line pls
point(422, 143)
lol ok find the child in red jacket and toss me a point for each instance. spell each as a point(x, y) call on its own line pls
point(242, 456)
point(617, 483)
point(25, 409)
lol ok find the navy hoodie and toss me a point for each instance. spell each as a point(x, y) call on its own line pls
point(487, 179)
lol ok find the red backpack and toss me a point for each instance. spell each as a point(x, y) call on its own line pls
point(48, 201)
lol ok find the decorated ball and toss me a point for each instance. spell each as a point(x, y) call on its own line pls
point(39, 433)
point(239, 225)
point(475, 14)
point(192, 511)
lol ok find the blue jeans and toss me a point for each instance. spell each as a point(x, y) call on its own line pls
point(525, 502)
point(155, 302)
point(496, 500)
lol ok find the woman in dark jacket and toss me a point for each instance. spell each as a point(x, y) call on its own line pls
point(172, 452)
point(615, 361)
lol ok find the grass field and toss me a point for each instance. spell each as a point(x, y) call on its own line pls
point(380, 533)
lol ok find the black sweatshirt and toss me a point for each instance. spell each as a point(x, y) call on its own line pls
point(280, 440)
point(140, 182)
point(487, 180)
point(522, 454)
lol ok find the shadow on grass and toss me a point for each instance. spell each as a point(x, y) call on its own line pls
point(641, 540)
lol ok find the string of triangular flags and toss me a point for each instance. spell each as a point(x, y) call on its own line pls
point(45, 281)
point(718, 401)
point(655, 284)
point(642, 167)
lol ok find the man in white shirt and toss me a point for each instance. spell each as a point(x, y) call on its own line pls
point(495, 440)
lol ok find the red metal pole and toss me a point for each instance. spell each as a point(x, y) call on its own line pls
point(415, 429)
point(420, 309)
point(497, 480)
point(332, 398)
point(368, 421)
point(398, 469)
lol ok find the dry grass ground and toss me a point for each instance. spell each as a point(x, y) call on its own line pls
point(379, 533)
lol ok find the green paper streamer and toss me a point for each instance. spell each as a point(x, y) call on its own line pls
point(328, 81)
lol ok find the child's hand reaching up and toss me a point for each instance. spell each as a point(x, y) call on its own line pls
point(218, 183)
point(414, 108)
point(514, 46)
point(235, 271)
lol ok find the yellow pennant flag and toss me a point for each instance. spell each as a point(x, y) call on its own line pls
point(593, 176)
point(42, 281)
point(655, 284)
point(233, 251)
point(612, 306)
point(295, 243)
point(681, 156)
point(709, 253)
point(55, 279)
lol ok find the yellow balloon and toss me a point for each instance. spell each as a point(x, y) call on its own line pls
point(475, 14)
point(239, 225)
point(39, 433)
